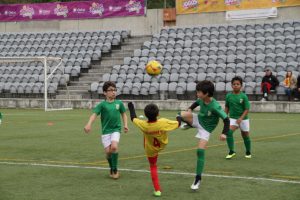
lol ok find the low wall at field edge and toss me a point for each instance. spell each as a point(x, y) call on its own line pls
point(256, 106)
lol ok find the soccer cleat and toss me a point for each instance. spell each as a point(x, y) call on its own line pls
point(185, 126)
point(115, 175)
point(157, 193)
point(195, 185)
point(230, 155)
point(248, 156)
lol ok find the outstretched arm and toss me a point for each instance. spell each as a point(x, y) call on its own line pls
point(225, 129)
point(124, 117)
point(131, 110)
point(193, 106)
point(88, 126)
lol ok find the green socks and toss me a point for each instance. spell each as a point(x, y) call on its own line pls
point(114, 161)
point(200, 161)
point(247, 143)
point(230, 141)
point(109, 160)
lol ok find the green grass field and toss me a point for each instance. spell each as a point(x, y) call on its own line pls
point(47, 156)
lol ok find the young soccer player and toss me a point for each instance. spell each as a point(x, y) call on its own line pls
point(155, 137)
point(205, 122)
point(110, 110)
point(237, 105)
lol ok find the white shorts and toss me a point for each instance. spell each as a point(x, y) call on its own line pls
point(108, 138)
point(244, 125)
point(202, 133)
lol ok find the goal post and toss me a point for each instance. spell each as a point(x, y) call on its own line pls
point(48, 72)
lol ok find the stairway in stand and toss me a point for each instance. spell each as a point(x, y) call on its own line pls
point(79, 88)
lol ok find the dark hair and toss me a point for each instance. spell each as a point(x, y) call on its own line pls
point(108, 84)
point(151, 111)
point(237, 78)
point(206, 87)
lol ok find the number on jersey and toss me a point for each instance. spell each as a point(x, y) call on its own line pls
point(156, 143)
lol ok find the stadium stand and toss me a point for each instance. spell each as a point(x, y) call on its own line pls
point(77, 49)
point(216, 53)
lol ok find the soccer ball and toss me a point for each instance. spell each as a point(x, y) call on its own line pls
point(153, 68)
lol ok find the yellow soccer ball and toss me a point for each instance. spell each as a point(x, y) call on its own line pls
point(153, 68)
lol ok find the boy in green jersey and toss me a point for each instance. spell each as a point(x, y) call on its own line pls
point(110, 110)
point(205, 122)
point(237, 105)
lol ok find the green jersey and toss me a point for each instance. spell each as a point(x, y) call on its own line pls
point(209, 114)
point(110, 115)
point(237, 104)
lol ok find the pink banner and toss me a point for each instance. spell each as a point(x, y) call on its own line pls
point(72, 10)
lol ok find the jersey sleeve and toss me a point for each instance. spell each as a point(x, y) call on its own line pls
point(220, 112)
point(169, 125)
point(139, 123)
point(246, 103)
point(97, 110)
point(122, 107)
point(227, 101)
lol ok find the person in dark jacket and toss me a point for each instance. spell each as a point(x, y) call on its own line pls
point(297, 89)
point(268, 83)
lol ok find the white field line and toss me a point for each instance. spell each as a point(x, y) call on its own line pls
point(146, 171)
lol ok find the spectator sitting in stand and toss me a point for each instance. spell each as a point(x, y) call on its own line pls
point(269, 82)
point(297, 89)
point(289, 83)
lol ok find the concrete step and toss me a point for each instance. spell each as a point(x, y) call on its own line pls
point(79, 87)
point(140, 39)
point(62, 96)
point(122, 54)
point(114, 58)
point(73, 92)
point(81, 83)
point(100, 70)
point(112, 62)
point(91, 74)
point(131, 46)
point(105, 67)
point(90, 79)
point(121, 51)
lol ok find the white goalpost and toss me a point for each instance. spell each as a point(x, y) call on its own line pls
point(48, 72)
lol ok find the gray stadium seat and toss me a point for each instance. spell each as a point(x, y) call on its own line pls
point(229, 76)
point(220, 86)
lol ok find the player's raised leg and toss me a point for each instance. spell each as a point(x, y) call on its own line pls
point(187, 117)
point(154, 175)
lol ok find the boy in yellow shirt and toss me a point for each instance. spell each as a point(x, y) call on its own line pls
point(155, 136)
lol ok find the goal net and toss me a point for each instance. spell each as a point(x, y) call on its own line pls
point(34, 76)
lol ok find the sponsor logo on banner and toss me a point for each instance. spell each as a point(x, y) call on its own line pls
point(10, 13)
point(97, 9)
point(133, 6)
point(188, 4)
point(79, 10)
point(44, 12)
point(27, 11)
point(232, 2)
point(114, 8)
point(61, 10)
